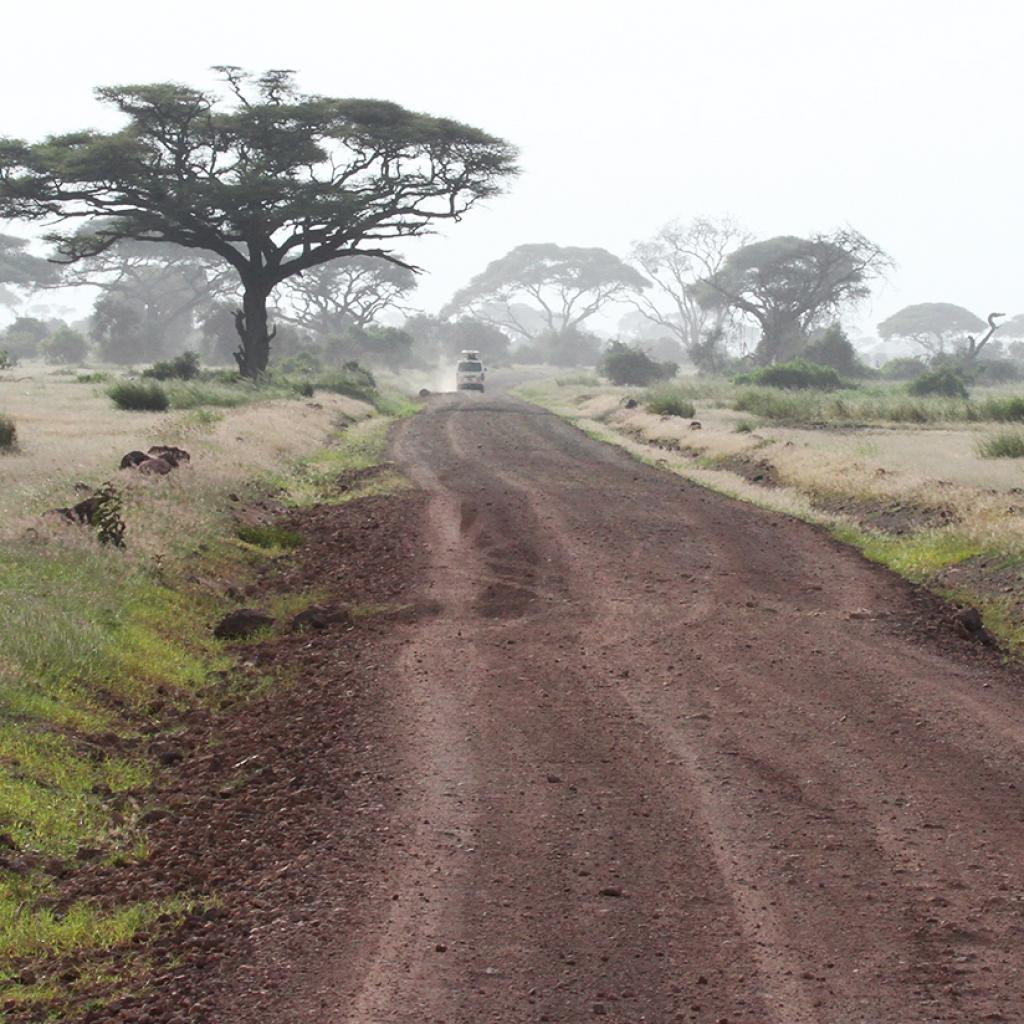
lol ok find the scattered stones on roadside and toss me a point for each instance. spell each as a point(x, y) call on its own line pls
point(241, 623)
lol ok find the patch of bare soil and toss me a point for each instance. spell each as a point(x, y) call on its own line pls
point(255, 794)
point(894, 517)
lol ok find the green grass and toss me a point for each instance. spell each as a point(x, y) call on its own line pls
point(135, 396)
point(276, 538)
point(667, 401)
point(8, 433)
point(361, 447)
point(1006, 444)
point(875, 405)
point(917, 556)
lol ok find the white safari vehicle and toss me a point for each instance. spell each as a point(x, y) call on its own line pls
point(469, 374)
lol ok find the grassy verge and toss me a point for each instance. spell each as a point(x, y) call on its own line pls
point(939, 507)
point(97, 643)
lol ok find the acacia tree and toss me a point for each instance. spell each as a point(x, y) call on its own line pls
point(344, 294)
point(151, 297)
point(790, 285)
point(565, 285)
point(20, 270)
point(936, 327)
point(273, 182)
point(676, 259)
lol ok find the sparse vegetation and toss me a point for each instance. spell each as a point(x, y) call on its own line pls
point(136, 396)
point(8, 433)
point(669, 402)
point(1007, 444)
point(270, 537)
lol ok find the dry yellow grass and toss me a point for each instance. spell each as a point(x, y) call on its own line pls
point(70, 433)
point(920, 466)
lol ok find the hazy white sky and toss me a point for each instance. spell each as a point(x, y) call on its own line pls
point(901, 118)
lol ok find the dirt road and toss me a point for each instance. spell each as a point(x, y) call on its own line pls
point(667, 757)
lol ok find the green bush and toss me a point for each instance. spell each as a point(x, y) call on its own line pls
point(946, 382)
point(631, 365)
point(183, 367)
point(1007, 444)
point(138, 397)
point(351, 380)
point(904, 368)
point(7, 361)
point(8, 433)
point(299, 362)
point(834, 349)
point(669, 402)
point(796, 375)
point(1002, 410)
point(65, 346)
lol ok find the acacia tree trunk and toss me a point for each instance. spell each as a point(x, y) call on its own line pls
point(251, 323)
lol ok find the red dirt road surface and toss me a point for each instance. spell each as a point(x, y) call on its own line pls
point(660, 756)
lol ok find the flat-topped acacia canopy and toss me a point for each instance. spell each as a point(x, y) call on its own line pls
point(272, 181)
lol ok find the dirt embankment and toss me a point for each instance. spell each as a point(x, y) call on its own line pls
point(644, 753)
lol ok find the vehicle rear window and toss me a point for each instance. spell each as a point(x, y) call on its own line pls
point(470, 367)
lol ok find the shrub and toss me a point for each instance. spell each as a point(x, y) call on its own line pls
point(65, 346)
point(8, 433)
point(744, 427)
point(96, 377)
point(351, 380)
point(834, 349)
point(1007, 444)
point(138, 397)
point(946, 382)
point(630, 364)
point(1002, 410)
point(797, 375)
point(299, 362)
point(669, 402)
point(904, 368)
point(183, 367)
point(7, 361)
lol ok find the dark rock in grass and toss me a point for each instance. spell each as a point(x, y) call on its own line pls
point(242, 623)
point(133, 459)
point(424, 392)
point(319, 616)
point(631, 403)
point(168, 452)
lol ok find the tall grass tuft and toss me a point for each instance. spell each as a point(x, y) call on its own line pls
point(1007, 444)
point(667, 401)
point(8, 434)
point(138, 397)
